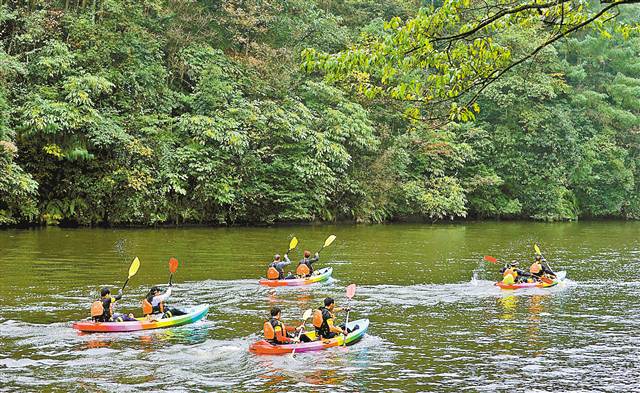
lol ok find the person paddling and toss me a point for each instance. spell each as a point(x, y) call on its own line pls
point(305, 266)
point(540, 268)
point(153, 304)
point(102, 309)
point(276, 332)
point(324, 320)
point(276, 268)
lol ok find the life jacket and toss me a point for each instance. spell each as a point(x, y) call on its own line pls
point(535, 268)
point(272, 272)
point(508, 279)
point(510, 271)
point(320, 321)
point(148, 309)
point(269, 329)
point(97, 309)
point(303, 270)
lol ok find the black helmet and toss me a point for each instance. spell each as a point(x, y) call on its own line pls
point(154, 289)
point(105, 291)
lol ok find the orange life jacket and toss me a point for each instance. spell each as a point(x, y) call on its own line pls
point(269, 332)
point(303, 270)
point(147, 308)
point(318, 320)
point(535, 268)
point(273, 273)
point(97, 309)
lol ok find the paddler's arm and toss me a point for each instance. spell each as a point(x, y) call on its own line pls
point(118, 296)
point(333, 328)
point(163, 297)
point(315, 258)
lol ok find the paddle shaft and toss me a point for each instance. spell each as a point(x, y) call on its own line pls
point(125, 283)
point(344, 342)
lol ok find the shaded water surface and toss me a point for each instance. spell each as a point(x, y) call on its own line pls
point(437, 321)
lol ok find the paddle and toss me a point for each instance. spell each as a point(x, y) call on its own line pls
point(351, 291)
point(292, 245)
point(133, 269)
point(327, 242)
point(544, 279)
point(305, 316)
point(173, 266)
point(491, 259)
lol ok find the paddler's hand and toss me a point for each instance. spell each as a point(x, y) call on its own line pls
point(120, 292)
point(299, 328)
point(346, 309)
point(317, 255)
point(345, 332)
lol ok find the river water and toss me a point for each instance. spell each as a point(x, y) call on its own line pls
point(437, 321)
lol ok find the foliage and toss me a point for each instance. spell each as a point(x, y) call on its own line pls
point(154, 112)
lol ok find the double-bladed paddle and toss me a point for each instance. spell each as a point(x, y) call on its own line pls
point(133, 269)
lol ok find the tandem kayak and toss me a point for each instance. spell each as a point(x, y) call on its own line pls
point(193, 314)
point(264, 347)
point(322, 275)
point(560, 276)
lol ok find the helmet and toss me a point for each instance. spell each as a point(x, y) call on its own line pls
point(276, 257)
point(307, 253)
point(104, 292)
point(538, 257)
point(514, 264)
point(154, 289)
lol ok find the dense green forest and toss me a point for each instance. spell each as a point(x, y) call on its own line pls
point(157, 111)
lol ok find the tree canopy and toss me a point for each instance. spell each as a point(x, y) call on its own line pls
point(156, 111)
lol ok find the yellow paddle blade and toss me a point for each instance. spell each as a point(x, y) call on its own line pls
point(307, 314)
point(535, 247)
point(133, 269)
point(293, 244)
point(329, 240)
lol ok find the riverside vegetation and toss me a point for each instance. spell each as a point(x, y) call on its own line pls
point(261, 111)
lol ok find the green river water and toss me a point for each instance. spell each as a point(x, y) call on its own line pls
point(437, 321)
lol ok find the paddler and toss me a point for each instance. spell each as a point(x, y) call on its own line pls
point(276, 268)
point(324, 320)
point(276, 332)
point(540, 268)
point(102, 309)
point(305, 266)
point(153, 304)
point(511, 274)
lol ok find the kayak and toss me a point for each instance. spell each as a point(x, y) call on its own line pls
point(264, 347)
point(322, 275)
point(193, 314)
point(560, 276)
